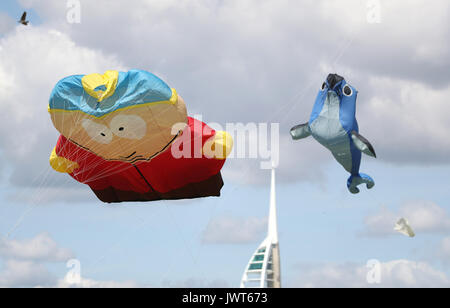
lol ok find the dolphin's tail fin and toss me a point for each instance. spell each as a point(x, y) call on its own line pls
point(355, 180)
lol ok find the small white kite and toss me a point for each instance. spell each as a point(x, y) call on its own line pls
point(403, 227)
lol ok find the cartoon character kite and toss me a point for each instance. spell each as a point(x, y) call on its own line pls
point(333, 124)
point(127, 135)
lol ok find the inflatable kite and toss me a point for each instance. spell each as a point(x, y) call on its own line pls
point(333, 124)
point(127, 135)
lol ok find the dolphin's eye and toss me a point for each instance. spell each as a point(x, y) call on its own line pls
point(347, 90)
point(324, 85)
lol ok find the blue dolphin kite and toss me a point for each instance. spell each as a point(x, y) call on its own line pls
point(333, 124)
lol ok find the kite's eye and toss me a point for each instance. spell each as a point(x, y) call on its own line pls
point(128, 126)
point(347, 90)
point(97, 131)
point(324, 85)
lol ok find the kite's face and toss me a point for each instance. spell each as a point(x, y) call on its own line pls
point(336, 100)
point(129, 133)
point(335, 90)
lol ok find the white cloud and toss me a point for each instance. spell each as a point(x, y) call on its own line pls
point(24, 265)
point(408, 121)
point(89, 283)
point(232, 230)
point(19, 273)
point(25, 274)
point(423, 216)
point(249, 30)
point(427, 216)
point(32, 60)
point(24, 261)
point(393, 274)
point(40, 248)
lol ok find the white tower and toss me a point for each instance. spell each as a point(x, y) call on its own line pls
point(263, 269)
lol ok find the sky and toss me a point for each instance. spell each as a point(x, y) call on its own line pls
point(235, 61)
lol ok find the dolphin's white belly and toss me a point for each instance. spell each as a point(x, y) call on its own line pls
point(328, 131)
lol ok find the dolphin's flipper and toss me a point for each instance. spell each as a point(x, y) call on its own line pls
point(355, 180)
point(363, 144)
point(300, 131)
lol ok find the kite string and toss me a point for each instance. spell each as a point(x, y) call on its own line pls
point(37, 194)
point(304, 91)
point(113, 171)
point(299, 95)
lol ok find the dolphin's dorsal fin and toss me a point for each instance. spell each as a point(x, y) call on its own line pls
point(363, 144)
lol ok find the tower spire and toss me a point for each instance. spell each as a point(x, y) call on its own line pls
point(273, 229)
point(263, 269)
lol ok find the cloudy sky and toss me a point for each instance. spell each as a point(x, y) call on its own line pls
point(235, 61)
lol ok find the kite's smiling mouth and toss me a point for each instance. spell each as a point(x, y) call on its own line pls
point(133, 158)
point(129, 156)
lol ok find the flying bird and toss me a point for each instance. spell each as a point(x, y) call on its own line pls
point(23, 20)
